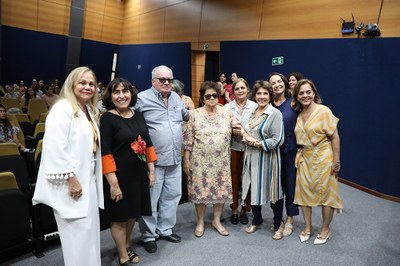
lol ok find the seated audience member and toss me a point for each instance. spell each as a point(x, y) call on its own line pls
point(10, 93)
point(49, 97)
point(30, 94)
point(8, 131)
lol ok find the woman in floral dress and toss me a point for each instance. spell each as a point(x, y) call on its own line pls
point(207, 138)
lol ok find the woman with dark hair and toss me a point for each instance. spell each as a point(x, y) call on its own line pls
point(49, 97)
point(128, 165)
point(223, 77)
point(29, 94)
point(293, 78)
point(317, 160)
point(8, 131)
point(263, 135)
point(207, 136)
point(229, 96)
point(282, 102)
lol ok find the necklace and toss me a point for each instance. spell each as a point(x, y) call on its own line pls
point(210, 115)
point(241, 106)
point(124, 116)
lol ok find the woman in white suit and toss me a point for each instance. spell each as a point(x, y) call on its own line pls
point(70, 174)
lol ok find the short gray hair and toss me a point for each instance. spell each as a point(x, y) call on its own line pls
point(153, 72)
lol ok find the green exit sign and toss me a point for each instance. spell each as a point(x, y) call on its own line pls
point(276, 61)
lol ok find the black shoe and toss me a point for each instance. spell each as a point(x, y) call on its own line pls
point(174, 238)
point(234, 219)
point(244, 219)
point(150, 246)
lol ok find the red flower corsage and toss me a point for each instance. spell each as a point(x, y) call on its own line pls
point(139, 147)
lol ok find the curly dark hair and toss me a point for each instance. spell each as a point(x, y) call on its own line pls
point(107, 102)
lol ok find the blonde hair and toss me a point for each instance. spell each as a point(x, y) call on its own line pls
point(67, 91)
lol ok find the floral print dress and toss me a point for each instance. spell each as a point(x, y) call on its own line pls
point(209, 140)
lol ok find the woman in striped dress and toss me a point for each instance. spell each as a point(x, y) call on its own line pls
point(317, 160)
point(261, 171)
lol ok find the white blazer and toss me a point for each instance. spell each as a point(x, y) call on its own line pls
point(68, 148)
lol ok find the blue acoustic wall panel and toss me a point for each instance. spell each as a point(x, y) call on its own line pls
point(358, 79)
point(137, 61)
point(30, 54)
point(99, 57)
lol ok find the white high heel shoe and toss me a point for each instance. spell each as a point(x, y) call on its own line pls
point(322, 240)
point(304, 236)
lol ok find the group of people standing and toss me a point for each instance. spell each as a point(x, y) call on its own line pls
point(245, 151)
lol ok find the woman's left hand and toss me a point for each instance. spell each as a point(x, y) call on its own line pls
point(335, 168)
point(75, 188)
point(249, 140)
point(152, 179)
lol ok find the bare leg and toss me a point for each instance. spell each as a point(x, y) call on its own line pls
point(216, 223)
point(200, 211)
point(129, 227)
point(118, 233)
point(289, 219)
point(307, 213)
point(327, 216)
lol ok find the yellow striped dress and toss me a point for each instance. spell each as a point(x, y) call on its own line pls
point(315, 185)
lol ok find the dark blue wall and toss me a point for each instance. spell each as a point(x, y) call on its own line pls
point(358, 79)
point(30, 54)
point(135, 62)
point(99, 57)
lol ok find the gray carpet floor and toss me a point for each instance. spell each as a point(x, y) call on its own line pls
point(366, 233)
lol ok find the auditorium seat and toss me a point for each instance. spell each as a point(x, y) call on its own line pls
point(15, 230)
point(36, 107)
point(10, 103)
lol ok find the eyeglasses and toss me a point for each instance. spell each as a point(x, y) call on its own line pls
point(163, 80)
point(208, 96)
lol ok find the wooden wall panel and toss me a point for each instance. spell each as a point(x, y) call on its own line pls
point(230, 20)
point(131, 9)
point(198, 62)
point(114, 9)
point(112, 30)
point(54, 17)
point(92, 26)
point(151, 5)
point(151, 27)
point(175, 30)
point(13, 16)
point(320, 19)
point(390, 19)
point(203, 21)
point(97, 6)
point(103, 21)
point(130, 30)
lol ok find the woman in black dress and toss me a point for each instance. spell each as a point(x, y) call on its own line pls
point(128, 156)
